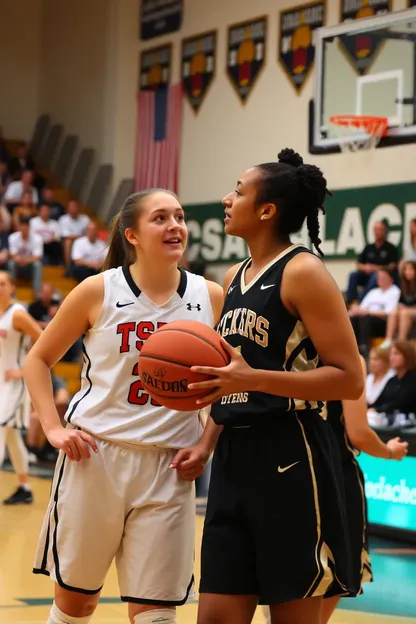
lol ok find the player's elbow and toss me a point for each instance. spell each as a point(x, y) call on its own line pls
point(354, 385)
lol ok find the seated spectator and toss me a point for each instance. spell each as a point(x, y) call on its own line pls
point(370, 316)
point(48, 197)
point(45, 298)
point(4, 246)
point(379, 254)
point(6, 218)
point(409, 245)
point(15, 190)
point(26, 209)
point(49, 230)
point(379, 374)
point(72, 225)
point(5, 177)
point(23, 161)
point(88, 254)
point(25, 253)
point(399, 394)
point(402, 318)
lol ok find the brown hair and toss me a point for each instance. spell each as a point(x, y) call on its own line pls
point(381, 354)
point(413, 236)
point(408, 352)
point(408, 287)
point(120, 251)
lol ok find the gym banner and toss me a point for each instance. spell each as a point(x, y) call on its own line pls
point(160, 17)
point(345, 229)
point(155, 68)
point(361, 49)
point(246, 54)
point(296, 49)
point(198, 66)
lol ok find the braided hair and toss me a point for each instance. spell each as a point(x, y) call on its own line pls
point(298, 190)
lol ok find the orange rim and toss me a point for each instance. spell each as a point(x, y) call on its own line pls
point(372, 123)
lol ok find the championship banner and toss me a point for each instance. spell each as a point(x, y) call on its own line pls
point(155, 68)
point(296, 49)
point(246, 54)
point(198, 66)
point(361, 49)
point(160, 17)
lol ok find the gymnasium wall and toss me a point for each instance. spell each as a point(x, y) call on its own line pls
point(19, 66)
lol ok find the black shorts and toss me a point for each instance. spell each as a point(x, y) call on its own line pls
point(357, 523)
point(276, 523)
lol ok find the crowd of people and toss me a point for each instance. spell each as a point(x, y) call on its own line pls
point(36, 229)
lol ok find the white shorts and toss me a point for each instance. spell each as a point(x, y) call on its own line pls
point(14, 404)
point(123, 503)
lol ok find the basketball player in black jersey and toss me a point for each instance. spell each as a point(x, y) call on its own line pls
point(348, 420)
point(275, 530)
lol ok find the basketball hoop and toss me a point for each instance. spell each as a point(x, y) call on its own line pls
point(359, 132)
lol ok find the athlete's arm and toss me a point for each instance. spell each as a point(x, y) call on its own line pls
point(77, 314)
point(24, 323)
point(309, 293)
point(217, 299)
point(362, 436)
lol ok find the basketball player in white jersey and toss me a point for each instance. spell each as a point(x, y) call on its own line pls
point(116, 492)
point(15, 326)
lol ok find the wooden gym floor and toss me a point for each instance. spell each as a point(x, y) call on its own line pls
point(26, 599)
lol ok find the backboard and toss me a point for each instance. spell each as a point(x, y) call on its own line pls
point(365, 66)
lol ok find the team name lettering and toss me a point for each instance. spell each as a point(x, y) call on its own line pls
point(246, 323)
point(239, 397)
point(168, 386)
point(141, 330)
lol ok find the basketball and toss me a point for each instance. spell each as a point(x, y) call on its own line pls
point(167, 357)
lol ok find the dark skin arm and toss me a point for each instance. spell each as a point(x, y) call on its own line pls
point(308, 292)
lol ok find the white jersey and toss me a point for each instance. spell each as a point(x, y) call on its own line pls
point(13, 395)
point(111, 402)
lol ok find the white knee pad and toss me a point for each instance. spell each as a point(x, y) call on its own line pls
point(156, 616)
point(266, 613)
point(57, 617)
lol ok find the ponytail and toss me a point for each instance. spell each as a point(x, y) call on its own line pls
point(118, 252)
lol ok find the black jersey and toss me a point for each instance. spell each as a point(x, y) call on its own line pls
point(255, 320)
point(335, 418)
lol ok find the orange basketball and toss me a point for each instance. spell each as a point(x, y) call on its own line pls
point(167, 356)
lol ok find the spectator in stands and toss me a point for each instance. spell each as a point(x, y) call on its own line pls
point(399, 394)
point(381, 253)
point(380, 373)
point(72, 225)
point(26, 251)
point(88, 254)
point(49, 230)
point(5, 177)
point(23, 161)
point(48, 197)
point(402, 318)
point(409, 246)
point(26, 209)
point(46, 298)
point(370, 316)
point(5, 218)
point(15, 190)
point(4, 246)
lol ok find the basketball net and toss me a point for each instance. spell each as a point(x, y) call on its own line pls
point(358, 133)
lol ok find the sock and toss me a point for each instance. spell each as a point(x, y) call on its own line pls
point(57, 617)
point(266, 613)
point(25, 486)
point(155, 616)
